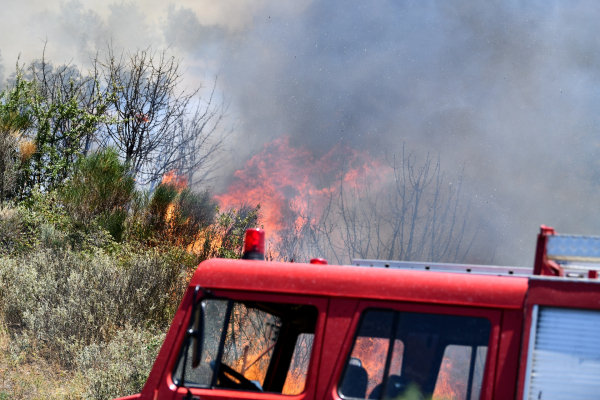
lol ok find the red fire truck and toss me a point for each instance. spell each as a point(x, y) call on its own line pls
point(250, 329)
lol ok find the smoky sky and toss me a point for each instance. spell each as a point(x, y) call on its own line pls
point(506, 91)
point(1, 72)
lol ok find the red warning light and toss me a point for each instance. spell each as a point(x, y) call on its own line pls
point(319, 261)
point(254, 244)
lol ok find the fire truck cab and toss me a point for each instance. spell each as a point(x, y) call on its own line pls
point(250, 329)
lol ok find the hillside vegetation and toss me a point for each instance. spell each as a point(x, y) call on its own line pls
point(97, 243)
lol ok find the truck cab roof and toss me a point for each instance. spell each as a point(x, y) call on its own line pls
point(363, 282)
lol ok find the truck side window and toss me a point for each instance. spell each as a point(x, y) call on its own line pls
point(405, 355)
point(251, 336)
point(296, 376)
point(252, 346)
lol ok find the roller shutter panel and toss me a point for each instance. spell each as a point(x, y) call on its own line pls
point(564, 355)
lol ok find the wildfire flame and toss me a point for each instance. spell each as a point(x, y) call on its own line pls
point(180, 182)
point(371, 351)
point(249, 348)
point(289, 182)
point(254, 364)
point(454, 374)
point(452, 379)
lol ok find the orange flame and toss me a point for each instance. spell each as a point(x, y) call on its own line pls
point(250, 343)
point(171, 178)
point(454, 374)
point(179, 182)
point(452, 379)
point(370, 351)
point(288, 182)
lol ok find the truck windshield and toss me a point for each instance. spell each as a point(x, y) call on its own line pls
point(398, 355)
point(242, 338)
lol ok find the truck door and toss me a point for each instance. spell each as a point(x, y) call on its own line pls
point(410, 351)
point(561, 340)
point(253, 346)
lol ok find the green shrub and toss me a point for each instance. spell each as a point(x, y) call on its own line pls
point(20, 229)
point(9, 145)
point(231, 227)
point(192, 213)
point(163, 199)
point(15, 150)
point(101, 188)
point(138, 227)
point(65, 301)
point(11, 228)
point(120, 367)
point(114, 223)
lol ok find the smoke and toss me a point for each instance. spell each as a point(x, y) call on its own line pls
point(1, 73)
point(505, 90)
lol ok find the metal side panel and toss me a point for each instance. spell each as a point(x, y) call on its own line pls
point(564, 362)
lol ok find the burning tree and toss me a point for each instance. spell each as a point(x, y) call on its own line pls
point(133, 103)
point(416, 216)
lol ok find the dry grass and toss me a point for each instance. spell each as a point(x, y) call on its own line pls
point(25, 376)
point(81, 325)
point(27, 148)
point(104, 371)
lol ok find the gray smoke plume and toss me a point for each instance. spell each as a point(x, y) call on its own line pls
point(1, 72)
point(505, 90)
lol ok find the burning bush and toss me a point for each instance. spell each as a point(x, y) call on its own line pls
point(178, 215)
point(225, 238)
point(91, 267)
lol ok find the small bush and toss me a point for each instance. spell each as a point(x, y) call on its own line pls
point(11, 228)
point(65, 301)
point(14, 149)
point(121, 366)
point(162, 202)
point(114, 223)
point(101, 187)
point(20, 229)
point(9, 144)
point(193, 212)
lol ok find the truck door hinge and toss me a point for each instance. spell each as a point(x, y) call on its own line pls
point(189, 396)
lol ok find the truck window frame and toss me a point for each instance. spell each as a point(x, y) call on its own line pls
point(320, 303)
point(493, 315)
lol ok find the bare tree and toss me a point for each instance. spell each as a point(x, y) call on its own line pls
point(415, 216)
point(196, 142)
point(157, 125)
